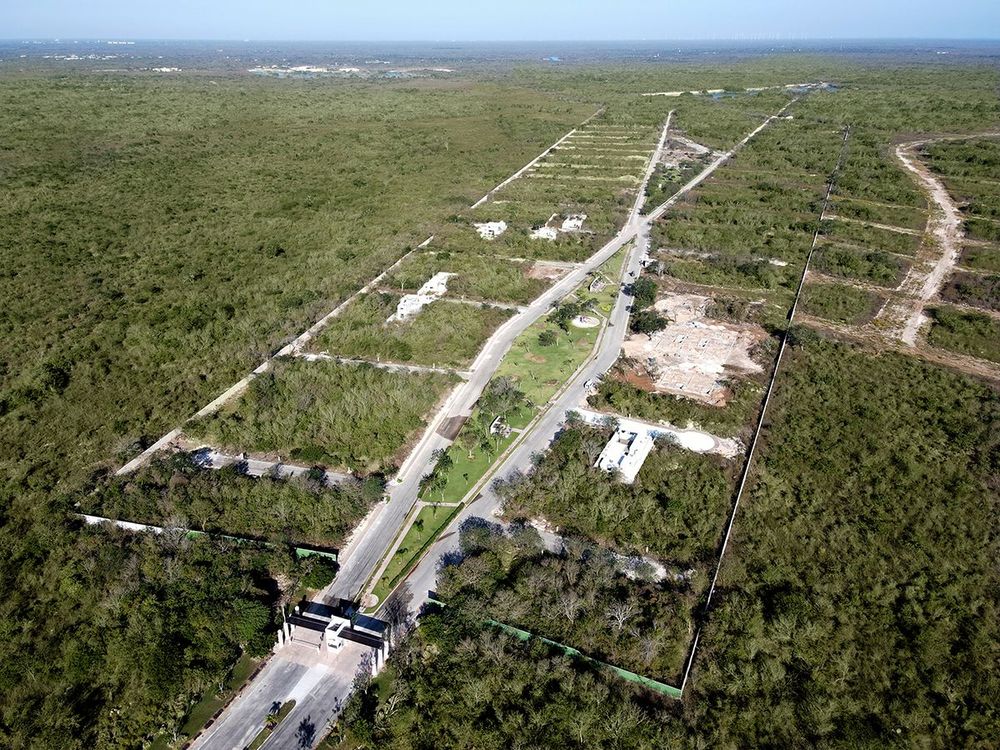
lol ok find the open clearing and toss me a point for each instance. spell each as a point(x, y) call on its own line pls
point(694, 356)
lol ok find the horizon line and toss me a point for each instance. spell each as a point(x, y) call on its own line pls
point(112, 37)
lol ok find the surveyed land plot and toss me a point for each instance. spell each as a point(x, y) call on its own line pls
point(571, 201)
point(441, 333)
point(356, 417)
point(476, 276)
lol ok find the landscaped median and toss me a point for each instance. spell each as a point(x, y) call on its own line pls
point(272, 722)
point(429, 520)
point(531, 374)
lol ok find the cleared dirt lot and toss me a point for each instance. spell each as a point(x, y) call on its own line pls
point(694, 355)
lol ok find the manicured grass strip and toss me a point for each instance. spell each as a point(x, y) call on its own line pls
point(540, 369)
point(212, 703)
point(272, 722)
point(429, 522)
point(467, 467)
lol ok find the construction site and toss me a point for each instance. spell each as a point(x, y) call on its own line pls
point(693, 356)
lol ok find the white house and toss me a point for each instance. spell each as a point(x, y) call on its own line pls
point(625, 453)
point(490, 230)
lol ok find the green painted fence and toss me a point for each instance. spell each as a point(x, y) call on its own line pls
point(655, 685)
point(659, 687)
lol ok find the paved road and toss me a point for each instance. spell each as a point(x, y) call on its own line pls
point(364, 553)
point(364, 559)
point(424, 575)
point(318, 690)
point(403, 492)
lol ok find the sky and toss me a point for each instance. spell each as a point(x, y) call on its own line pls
point(501, 20)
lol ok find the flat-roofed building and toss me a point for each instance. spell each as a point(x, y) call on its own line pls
point(625, 453)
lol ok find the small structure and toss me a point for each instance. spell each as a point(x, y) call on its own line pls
point(598, 283)
point(500, 427)
point(410, 304)
point(553, 227)
point(625, 453)
point(322, 628)
point(544, 233)
point(490, 230)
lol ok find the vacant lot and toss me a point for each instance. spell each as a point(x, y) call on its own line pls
point(443, 333)
point(355, 417)
point(971, 333)
point(981, 258)
point(870, 212)
point(871, 238)
point(841, 303)
point(873, 266)
point(975, 289)
point(174, 491)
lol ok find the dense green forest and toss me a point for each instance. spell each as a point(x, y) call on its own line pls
point(517, 695)
point(675, 509)
point(176, 492)
point(108, 636)
point(579, 595)
point(161, 236)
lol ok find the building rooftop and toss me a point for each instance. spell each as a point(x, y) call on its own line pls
point(625, 453)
